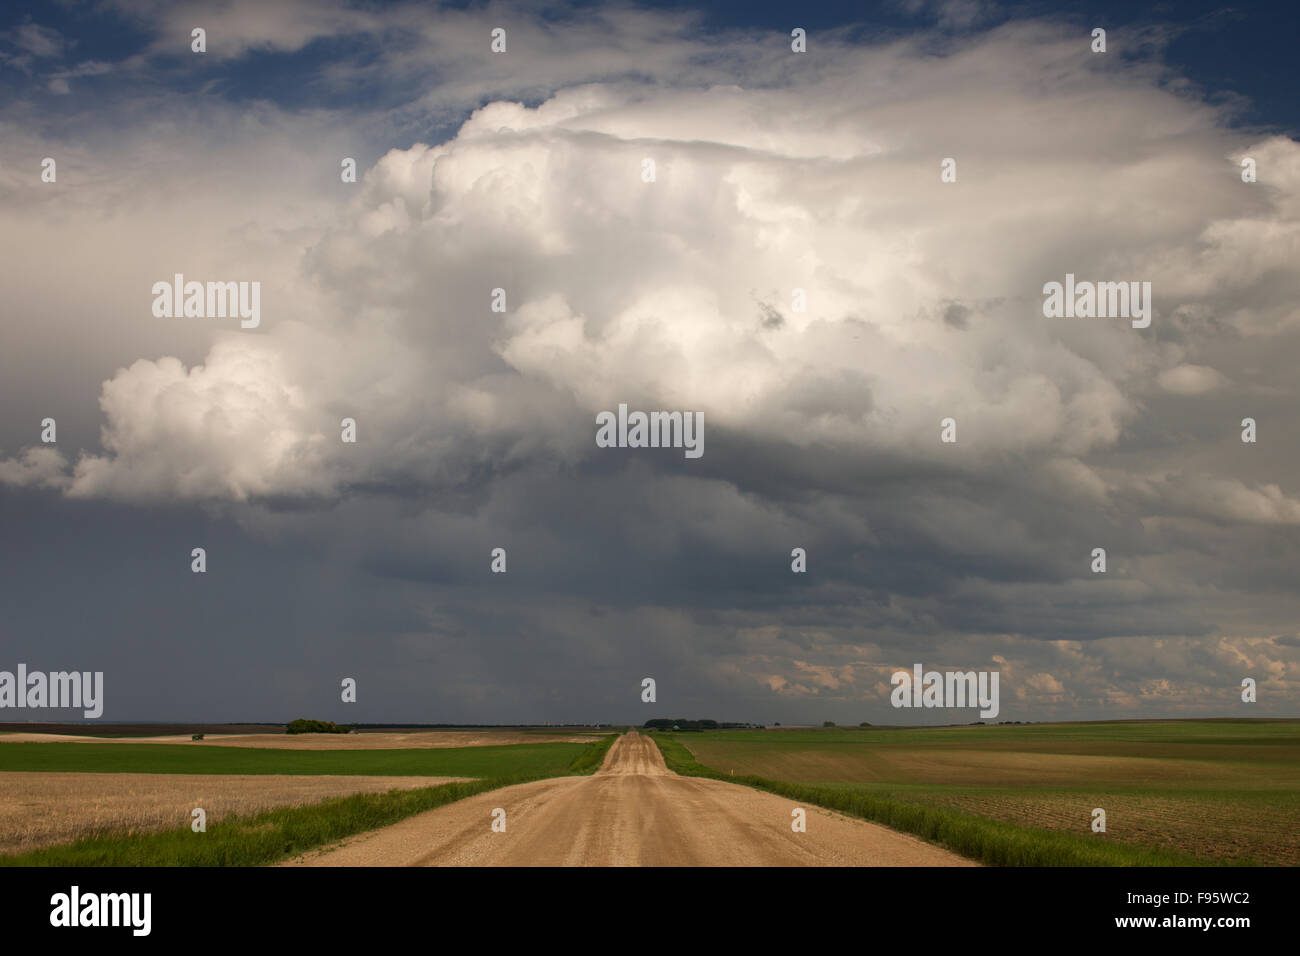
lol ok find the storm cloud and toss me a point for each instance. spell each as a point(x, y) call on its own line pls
point(776, 176)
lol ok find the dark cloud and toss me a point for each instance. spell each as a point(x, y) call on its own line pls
point(822, 426)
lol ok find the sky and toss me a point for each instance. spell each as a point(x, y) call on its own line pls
point(774, 171)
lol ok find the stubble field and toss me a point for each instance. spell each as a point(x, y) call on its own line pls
point(45, 809)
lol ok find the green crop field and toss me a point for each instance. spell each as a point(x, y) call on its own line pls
point(544, 760)
point(1221, 791)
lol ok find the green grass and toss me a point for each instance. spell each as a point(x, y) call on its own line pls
point(589, 761)
point(989, 841)
point(534, 760)
point(277, 834)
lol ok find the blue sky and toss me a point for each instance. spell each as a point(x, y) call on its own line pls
point(1244, 49)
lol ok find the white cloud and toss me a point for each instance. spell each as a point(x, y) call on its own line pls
point(38, 40)
point(231, 428)
point(1222, 499)
point(924, 302)
point(39, 466)
point(237, 26)
point(1190, 380)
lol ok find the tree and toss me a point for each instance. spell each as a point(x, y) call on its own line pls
point(304, 726)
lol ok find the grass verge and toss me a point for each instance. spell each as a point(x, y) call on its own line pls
point(991, 842)
point(592, 756)
point(286, 831)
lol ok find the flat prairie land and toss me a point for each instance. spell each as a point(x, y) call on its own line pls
point(45, 809)
point(1227, 791)
point(418, 739)
point(130, 805)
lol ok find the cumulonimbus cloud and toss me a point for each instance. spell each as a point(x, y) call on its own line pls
point(923, 302)
point(680, 292)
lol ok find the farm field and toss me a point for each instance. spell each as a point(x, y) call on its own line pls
point(541, 759)
point(44, 809)
point(382, 740)
point(127, 803)
point(1222, 791)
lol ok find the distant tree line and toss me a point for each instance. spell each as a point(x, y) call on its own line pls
point(664, 723)
point(304, 726)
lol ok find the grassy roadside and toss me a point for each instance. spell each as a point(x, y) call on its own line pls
point(991, 842)
point(593, 755)
point(277, 834)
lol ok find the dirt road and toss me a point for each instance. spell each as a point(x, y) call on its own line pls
point(632, 812)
